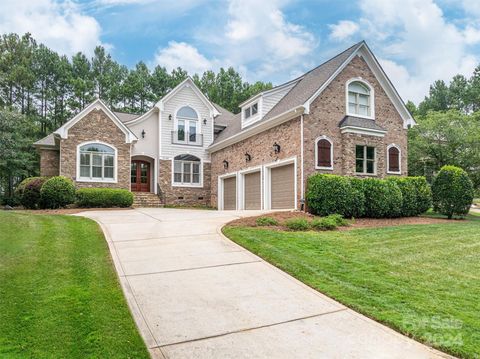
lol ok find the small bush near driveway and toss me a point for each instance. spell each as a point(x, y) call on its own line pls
point(452, 192)
point(57, 192)
point(324, 224)
point(104, 197)
point(266, 221)
point(297, 224)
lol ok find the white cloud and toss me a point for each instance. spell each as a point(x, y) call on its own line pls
point(343, 30)
point(416, 43)
point(181, 54)
point(60, 26)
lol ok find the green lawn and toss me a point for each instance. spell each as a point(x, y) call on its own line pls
point(423, 280)
point(59, 294)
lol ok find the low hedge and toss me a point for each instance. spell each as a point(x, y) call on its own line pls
point(370, 197)
point(104, 197)
point(452, 192)
point(57, 192)
point(28, 192)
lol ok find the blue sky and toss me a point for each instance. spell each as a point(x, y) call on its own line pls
point(416, 41)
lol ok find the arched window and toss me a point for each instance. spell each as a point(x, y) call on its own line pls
point(97, 162)
point(359, 99)
point(186, 126)
point(393, 159)
point(187, 170)
point(324, 153)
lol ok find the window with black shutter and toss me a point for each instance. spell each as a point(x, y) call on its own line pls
point(324, 153)
point(393, 159)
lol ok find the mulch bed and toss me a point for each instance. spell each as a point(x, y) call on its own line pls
point(358, 222)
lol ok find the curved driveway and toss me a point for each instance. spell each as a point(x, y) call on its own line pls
point(195, 294)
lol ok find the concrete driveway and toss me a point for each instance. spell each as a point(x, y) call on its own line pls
point(195, 294)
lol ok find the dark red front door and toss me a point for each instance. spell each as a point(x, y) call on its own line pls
point(140, 176)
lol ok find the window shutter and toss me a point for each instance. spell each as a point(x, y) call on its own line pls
point(324, 153)
point(393, 159)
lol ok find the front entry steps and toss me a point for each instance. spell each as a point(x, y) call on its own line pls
point(146, 199)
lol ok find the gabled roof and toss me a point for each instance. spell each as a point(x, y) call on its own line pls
point(96, 105)
point(126, 117)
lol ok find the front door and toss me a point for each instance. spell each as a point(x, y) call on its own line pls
point(140, 176)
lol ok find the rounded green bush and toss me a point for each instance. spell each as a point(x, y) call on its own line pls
point(266, 221)
point(30, 192)
point(324, 224)
point(328, 194)
point(297, 224)
point(104, 197)
point(423, 193)
point(338, 219)
point(452, 192)
point(383, 199)
point(57, 192)
point(409, 195)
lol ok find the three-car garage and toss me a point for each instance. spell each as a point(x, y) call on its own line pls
point(269, 186)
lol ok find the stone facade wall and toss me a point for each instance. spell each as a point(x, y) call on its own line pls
point(260, 147)
point(49, 162)
point(329, 109)
point(183, 195)
point(95, 126)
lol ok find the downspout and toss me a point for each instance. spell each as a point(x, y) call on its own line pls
point(302, 189)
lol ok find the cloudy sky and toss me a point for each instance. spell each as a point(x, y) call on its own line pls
point(416, 41)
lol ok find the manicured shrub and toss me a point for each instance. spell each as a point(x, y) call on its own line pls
point(30, 192)
point(297, 224)
point(324, 224)
point(327, 194)
point(266, 221)
point(338, 219)
point(383, 199)
point(104, 197)
point(423, 194)
point(357, 208)
point(452, 192)
point(57, 192)
point(409, 195)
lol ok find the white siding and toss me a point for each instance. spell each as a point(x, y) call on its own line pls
point(147, 146)
point(271, 99)
point(185, 97)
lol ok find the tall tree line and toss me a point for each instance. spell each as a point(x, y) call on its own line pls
point(41, 89)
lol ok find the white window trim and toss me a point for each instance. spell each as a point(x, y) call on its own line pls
point(267, 181)
point(220, 186)
point(78, 178)
point(187, 185)
point(375, 161)
point(330, 168)
point(241, 185)
point(399, 159)
point(372, 98)
point(175, 124)
point(253, 118)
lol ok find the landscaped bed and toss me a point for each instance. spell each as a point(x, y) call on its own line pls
point(423, 280)
point(60, 297)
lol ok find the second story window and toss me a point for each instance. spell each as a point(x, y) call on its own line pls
point(250, 111)
point(359, 99)
point(186, 131)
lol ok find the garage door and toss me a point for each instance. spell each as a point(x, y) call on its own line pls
point(283, 187)
point(252, 191)
point(230, 193)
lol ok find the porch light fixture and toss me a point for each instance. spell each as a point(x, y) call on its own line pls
point(248, 157)
point(143, 133)
point(276, 148)
point(204, 121)
point(170, 117)
point(225, 164)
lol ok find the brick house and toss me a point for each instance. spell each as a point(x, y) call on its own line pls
point(343, 117)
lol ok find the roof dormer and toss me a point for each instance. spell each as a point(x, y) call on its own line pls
point(252, 111)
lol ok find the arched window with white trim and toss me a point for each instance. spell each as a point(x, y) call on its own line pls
point(359, 99)
point(324, 153)
point(187, 127)
point(393, 159)
point(97, 162)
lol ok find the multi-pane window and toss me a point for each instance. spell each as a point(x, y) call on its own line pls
point(324, 154)
point(186, 170)
point(250, 111)
point(97, 162)
point(365, 160)
point(359, 99)
point(187, 122)
point(393, 159)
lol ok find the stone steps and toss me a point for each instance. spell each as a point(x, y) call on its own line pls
point(146, 199)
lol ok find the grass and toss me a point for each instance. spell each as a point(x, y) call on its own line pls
point(60, 297)
point(422, 280)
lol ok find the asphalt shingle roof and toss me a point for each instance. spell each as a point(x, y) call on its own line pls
point(48, 140)
point(125, 117)
point(360, 122)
